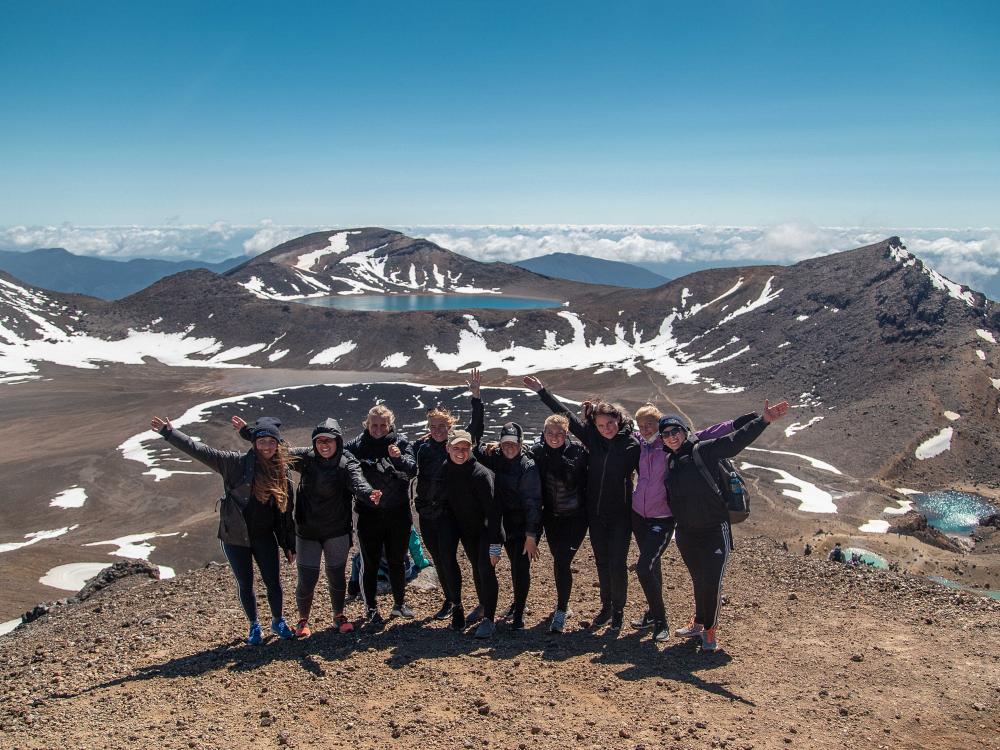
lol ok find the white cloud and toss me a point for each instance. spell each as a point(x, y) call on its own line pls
point(269, 236)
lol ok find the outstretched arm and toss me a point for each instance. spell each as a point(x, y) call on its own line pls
point(477, 425)
point(577, 427)
point(221, 462)
point(730, 445)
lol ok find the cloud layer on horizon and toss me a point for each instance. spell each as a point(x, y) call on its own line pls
point(968, 256)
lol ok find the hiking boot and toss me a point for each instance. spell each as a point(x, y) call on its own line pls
point(558, 621)
point(509, 613)
point(661, 633)
point(256, 637)
point(646, 621)
point(602, 617)
point(373, 620)
point(617, 618)
point(708, 640)
point(474, 616)
point(302, 629)
point(280, 628)
point(401, 610)
point(342, 624)
point(691, 630)
point(445, 612)
point(486, 628)
point(457, 618)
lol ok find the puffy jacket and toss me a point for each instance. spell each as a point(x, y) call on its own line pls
point(518, 492)
point(430, 457)
point(610, 466)
point(390, 475)
point(469, 499)
point(563, 475)
point(237, 470)
point(694, 503)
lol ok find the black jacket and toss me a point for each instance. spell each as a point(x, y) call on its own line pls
point(237, 470)
point(610, 465)
point(430, 456)
point(391, 475)
point(694, 503)
point(467, 490)
point(517, 490)
point(563, 474)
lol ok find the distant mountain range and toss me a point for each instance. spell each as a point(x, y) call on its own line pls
point(62, 271)
point(593, 270)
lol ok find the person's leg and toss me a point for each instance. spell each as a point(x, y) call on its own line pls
point(520, 575)
point(241, 561)
point(489, 588)
point(370, 538)
point(308, 554)
point(335, 552)
point(714, 555)
point(688, 546)
point(600, 539)
point(397, 539)
point(430, 533)
point(446, 561)
point(265, 552)
point(653, 537)
point(621, 538)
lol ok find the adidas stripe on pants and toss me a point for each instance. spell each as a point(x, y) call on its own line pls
point(705, 553)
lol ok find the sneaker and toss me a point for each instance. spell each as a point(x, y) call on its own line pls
point(646, 621)
point(509, 614)
point(256, 637)
point(691, 630)
point(518, 622)
point(617, 618)
point(373, 620)
point(445, 612)
point(280, 628)
point(342, 624)
point(403, 611)
point(602, 617)
point(661, 633)
point(302, 629)
point(474, 616)
point(558, 622)
point(486, 628)
point(457, 618)
point(708, 640)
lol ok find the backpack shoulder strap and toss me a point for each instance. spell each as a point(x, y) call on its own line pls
point(705, 473)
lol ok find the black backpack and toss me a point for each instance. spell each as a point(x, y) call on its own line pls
point(728, 484)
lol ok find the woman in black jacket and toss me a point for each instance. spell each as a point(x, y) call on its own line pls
point(606, 433)
point(562, 468)
point(329, 481)
point(255, 514)
point(388, 466)
point(704, 536)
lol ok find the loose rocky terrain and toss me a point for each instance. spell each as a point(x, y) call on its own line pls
point(816, 655)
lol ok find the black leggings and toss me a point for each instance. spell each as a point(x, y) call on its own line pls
point(705, 554)
point(477, 548)
point(391, 532)
point(652, 535)
point(610, 539)
point(431, 530)
point(333, 553)
point(265, 551)
point(564, 535)
point(520, 571)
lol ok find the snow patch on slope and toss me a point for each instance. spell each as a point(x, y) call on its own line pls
point(936, 445)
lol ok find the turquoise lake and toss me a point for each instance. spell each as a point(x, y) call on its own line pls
point(411, 302)
point(953, 512)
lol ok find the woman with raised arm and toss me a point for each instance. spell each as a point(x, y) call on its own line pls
point(518, 494)
point(562, 468)
point(255, 514)
point(430, 453)
point(606, 432)
point(704, 535)
point(388, 466)
point(329, 480)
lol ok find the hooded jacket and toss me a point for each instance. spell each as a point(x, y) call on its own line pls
point(610, 466)
point(382, 472)
point(694, 503)
point(518, 492)
point(563, 475)
point(431, 456)
point(238, 504)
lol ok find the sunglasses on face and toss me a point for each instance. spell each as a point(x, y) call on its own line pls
point(672, 432)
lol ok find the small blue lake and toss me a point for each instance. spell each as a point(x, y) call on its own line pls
point(867, 556)
point(953, 512)
point(958, 586)
point(411, 302)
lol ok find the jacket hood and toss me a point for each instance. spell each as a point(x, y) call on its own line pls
point(330, 428)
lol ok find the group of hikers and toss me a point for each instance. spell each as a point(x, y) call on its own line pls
point(620, 478)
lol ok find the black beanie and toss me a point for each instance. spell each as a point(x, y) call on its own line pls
point(511, 430)
point(266, 427)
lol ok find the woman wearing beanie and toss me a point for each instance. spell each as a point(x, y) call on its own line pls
point(388, 466)
point(255, 514)
point(704, 536)
point(329, 481)
point(562, 468)
point(518, 491)
point(606, 432)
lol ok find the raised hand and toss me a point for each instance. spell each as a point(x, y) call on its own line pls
point(586, 409)
point(772, 413)
point(394, 451)
point(533, 383)
point(238, 423)
point(158, 423)
point(474, 381)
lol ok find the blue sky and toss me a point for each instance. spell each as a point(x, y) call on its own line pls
point(841, 114)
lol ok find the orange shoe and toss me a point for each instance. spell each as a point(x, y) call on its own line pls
point(708, 640)
point(302, 629)
point(342, 624)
